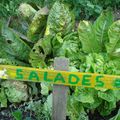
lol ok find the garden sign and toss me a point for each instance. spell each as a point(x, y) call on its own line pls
point(59, 77)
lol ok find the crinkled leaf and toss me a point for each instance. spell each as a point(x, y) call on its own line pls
point(100, 63)
point(67, 46)
point(27, 11)
point(95, 104)
point(84, 95)
point(73, 111)
point(37, 27)
point(96, 62)
point(70, 46)
point(15, 91)
point(107, 95)
point(111, 67)
point(40, 51)
point(20, 27)
point(60, 19)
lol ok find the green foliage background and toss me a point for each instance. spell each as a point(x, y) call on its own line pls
point(84, 9)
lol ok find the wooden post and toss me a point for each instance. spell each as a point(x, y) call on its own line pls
point(60, 92)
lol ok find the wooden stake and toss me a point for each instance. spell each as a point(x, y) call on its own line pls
point(60, 92)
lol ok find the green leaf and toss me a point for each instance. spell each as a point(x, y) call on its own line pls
point(67, 46)
point(38, 24)
point(96, 62)
point(107, 108)
point(3, 98)
point(113, 46)
point(27, 11)
point(15, 91)
point(45, 88)
point(84, 95)
point(48, 104)
point(60, 19)
point(12, 45)
point(107, 95)
point(57, 43)
point(97, 102)
point(75, 109)
point(87, 37)
point(101, 26)
point(109, 103)
point(40, 51)
point(70, 46)
point(10, 60)
point(117, 94)
point(17, 114)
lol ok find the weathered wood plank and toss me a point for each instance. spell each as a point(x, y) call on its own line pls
point(60, 92)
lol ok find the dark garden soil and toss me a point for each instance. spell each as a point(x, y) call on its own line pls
point(6, 113)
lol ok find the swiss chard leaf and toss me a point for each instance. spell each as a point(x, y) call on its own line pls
point(113, 46)
point(101, 26)
point(60, 20)
point(12, 45)
point(37, 27)
point(40, 51)
point(87, 37)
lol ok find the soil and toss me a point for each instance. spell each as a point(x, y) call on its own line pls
point(6, 113)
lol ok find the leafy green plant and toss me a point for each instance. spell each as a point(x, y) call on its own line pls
point(91, 47)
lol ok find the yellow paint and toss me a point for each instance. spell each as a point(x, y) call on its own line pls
point(61, 77)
